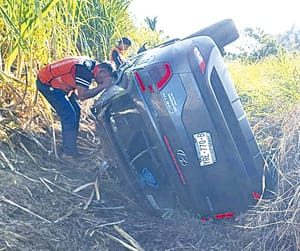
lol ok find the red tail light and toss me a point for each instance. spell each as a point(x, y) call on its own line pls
point(256, 195)
point(140, 82)
point(165, 77)
point(218, 217)
point(153, 75)
point(200, 60)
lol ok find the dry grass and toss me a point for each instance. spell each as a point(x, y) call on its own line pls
point(276, 222)
point(47, 205)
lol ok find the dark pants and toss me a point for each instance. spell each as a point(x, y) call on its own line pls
point(68, 110)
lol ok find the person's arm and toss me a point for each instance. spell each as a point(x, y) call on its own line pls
point(84, 93)
point(83, 78)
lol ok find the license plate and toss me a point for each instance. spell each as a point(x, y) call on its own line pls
point(205, 148)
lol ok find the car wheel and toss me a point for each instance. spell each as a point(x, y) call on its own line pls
point(223, 33)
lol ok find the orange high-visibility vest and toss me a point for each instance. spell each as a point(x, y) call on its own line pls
point(61, 74)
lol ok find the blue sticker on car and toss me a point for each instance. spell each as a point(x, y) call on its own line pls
point(148, 178)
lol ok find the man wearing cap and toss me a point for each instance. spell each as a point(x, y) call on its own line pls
point(116, 53)
point(62, 83)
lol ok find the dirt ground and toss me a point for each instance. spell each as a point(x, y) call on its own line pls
point(46, 204)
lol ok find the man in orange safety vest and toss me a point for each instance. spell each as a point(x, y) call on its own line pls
point(65, 82)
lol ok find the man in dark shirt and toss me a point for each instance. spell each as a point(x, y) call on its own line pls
point(62, 83)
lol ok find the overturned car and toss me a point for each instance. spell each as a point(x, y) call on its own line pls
point(176, 120)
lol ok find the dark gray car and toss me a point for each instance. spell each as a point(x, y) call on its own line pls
point(175, 117)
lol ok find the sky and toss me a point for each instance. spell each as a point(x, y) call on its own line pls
point(183, 17)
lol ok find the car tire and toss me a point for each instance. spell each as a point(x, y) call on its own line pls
point(223, 33)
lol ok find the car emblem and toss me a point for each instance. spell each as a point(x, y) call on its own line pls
point(181, 157)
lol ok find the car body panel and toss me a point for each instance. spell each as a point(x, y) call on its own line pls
point(179, 123)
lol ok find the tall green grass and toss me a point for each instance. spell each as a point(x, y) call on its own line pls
point(269, 91)
point(37, 32)
point(268, 87)
point(34, 33)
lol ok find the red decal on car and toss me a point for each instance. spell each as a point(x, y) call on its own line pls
point(174, 160)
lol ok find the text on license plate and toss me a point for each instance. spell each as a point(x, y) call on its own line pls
point(205, 148)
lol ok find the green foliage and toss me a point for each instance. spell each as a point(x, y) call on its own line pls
point(33, 33)
point(290, 39)
point(270, 86)
point(146, 35)
point(38, 32)
point(255, 45)
point(151, 22)
point(115, 23)
point(21, 34)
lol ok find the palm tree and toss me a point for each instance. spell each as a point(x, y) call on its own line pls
point(151, 22)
